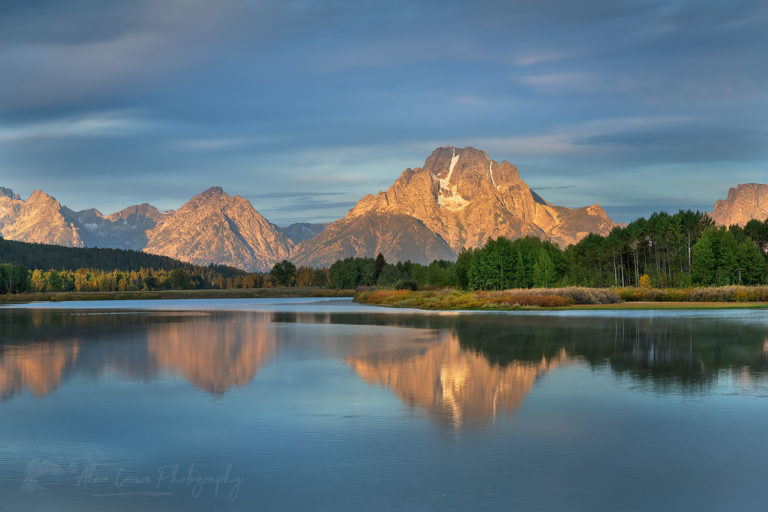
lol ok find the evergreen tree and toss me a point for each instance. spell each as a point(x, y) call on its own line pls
point(177, 280)
point(320, 277)
point(461, 268)
point(284, 273)
point(704, 264)
point(390, 275)
point(493, 266)
point(439, 273)
point(544, 275)
point(750, 263)
point(344, 274)
point(725, 247)
point(379, 265)
point(14, 278)
point(758, 232)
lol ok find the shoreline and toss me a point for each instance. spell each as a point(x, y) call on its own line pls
point(234, 293)
point(408, 300)
point(621, 306)
point(648, 305)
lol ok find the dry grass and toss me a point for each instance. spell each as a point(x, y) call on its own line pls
point(450, 299)
point(577, 294)
point(710, 294)
point(636, 298)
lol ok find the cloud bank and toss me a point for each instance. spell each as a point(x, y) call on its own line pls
point(634, 105)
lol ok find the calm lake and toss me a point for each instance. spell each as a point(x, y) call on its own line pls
point(318, 404)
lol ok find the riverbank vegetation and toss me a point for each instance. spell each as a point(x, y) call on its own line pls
point(15, 279)
point(453, 299)
point(535, 298)
point(233, 293)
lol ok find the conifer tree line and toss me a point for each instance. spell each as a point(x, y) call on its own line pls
point(44, 256)
point(680, 250)
point(39, 267)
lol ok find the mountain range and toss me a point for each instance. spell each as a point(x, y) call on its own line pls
point(459, 198)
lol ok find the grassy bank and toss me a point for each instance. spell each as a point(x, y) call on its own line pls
point(452, 299)
point(703, 294)
point(638, 305)
point(570, 298)
point(237, 293)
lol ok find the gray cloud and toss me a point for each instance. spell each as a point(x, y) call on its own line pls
point(309, 204)
point(108, 104)
point(553, 187)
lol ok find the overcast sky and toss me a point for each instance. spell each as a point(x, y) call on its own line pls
point(304, 106)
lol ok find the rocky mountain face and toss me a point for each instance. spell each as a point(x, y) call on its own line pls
point(398, 237)
point(39, 219)
point(214, 227)
point(42, 219)
point(744, 202)
point(301, 231)
point(464, 197)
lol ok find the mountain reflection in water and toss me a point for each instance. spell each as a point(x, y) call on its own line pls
point(213, 355)
point(453, 384)
point(461, 370)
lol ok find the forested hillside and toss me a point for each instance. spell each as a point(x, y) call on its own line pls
point(45, 257)
point(39, 267)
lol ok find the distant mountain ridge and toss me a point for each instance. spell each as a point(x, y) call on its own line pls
point(126, 229)
point(300, 231)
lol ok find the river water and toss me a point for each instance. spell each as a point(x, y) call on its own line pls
point(323, 404)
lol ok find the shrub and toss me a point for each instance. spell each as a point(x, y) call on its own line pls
point(407, 284)
point(577, 294)
point(503, 299)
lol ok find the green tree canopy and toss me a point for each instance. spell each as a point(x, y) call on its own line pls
point(284, 273)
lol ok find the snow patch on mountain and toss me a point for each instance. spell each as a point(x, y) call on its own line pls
point(448, 197)
point(490, 173)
